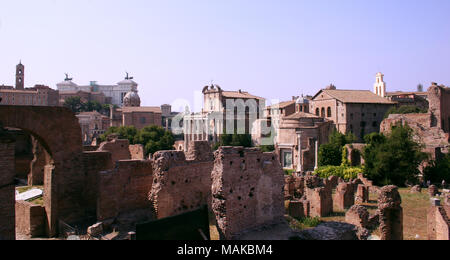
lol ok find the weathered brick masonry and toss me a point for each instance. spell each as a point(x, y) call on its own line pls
point(247, 190)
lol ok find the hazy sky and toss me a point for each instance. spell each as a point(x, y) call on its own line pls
point(274, 49)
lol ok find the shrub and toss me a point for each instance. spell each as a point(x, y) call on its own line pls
point(344, 172)
point(267, 148)
point(405, 110)
point(289, 172)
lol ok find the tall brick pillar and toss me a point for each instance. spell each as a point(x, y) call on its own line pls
point(7, 188)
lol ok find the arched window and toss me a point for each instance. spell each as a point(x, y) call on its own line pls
point(329, 112)
point(323, 112)
point(317, 112)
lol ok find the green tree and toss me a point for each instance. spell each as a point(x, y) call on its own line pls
point(124, 132)
point(438, 171)
point(405, 110)
point(393, 159)
point(75, 104)
point(153, 138)
point(332, 152)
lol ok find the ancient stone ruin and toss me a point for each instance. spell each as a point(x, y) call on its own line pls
point(388, 217)
point(438, 221)
point(247, 190)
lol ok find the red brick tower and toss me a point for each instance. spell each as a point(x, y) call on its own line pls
point(20, 76)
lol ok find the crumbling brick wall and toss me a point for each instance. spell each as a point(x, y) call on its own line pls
point(137, 152)
point(424, 132)
point(439, 99)
point(362, 194)
point(40, 159)
point(7, 190)
point(181, 185)
point(390, 213)
point(124, 189)
point(30, 219)
point(94, 163)
point(345, 196)
point(438, 222)
point(320, 201)
point(247, 190)
point(119, 149)
point(388, 217)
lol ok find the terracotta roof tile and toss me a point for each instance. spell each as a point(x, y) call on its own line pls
point(141, 109)
point(282, 104)
point(356, 96)
point(301, 115)
point(237, 94)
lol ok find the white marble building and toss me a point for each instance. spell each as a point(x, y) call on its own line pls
point(115, 92)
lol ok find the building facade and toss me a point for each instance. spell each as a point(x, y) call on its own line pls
point(357, 111)
point(299, 137)
point(93, 124)
point(114, 94)
point(39, 95)
point(223, 112)
point(132, 114)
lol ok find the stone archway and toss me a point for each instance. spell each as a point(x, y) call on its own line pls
point(59, 132)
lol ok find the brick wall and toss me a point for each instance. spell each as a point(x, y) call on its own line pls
point(124, 189)
point(30, 219)
point(118, 148)
point(180, 185)
point(438, 223)
point(137, 152)
point(94, 163)
point(247, 190)
point(7, 190)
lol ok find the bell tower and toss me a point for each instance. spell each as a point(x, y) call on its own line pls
point(20, 76)
point(380, 85)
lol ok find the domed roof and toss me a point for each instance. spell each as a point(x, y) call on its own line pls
point(302, 100)
point(132, 99)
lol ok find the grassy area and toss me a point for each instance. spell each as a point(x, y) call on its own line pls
point(304, 223)
point(415, 207)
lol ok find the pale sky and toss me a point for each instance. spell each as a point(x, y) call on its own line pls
point(275, 49)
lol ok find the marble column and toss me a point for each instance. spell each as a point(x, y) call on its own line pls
point(317, 155)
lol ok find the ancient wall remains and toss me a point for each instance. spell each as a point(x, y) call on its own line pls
point(59, 132)
point(7, 190)
point(30, 219)
point(137, 152)
point(362, 194)
point(181, 185)
point(247, 190)
point(344, 197)
point(124, 189)
point(439, 99)
point(40, 159)
point(390, 213)
point(94, 163)
point(119, 149)
point(438, 222)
